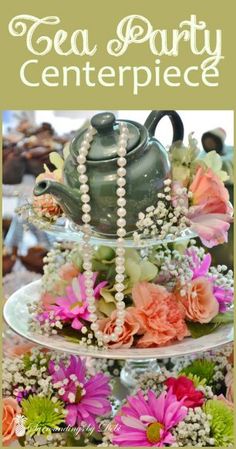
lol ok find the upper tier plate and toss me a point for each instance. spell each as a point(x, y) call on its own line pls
point(64, 229)
point(17, 316)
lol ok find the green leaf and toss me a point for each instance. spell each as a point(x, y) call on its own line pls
point(223, 318)
point(199, 330)
point(70, 334)
point(21, 441)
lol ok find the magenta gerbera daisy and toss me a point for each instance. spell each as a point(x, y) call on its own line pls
point(85, 399)
point(148, 421)
point(74, 306)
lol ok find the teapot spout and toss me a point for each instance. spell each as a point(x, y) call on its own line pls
point(67, 198)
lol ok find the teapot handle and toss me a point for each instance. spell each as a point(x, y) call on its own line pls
point(177, 124)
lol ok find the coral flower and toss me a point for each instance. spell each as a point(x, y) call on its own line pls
point(199, 301)
point(85, 398)
point(74, 305)
point(10, 410)
point(129, 329)
point(148, 422)
point(209, 190)
point(46, 206)
point(184, 388)
point(160, 316)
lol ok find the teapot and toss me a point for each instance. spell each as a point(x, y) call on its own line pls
point(146, 169)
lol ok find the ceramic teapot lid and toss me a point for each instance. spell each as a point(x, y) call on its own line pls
point(105, 143)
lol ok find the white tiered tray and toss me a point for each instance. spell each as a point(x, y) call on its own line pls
point(17, 316)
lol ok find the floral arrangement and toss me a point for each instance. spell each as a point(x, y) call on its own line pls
point(194, 199)
point(55, 399)
point(169, 294)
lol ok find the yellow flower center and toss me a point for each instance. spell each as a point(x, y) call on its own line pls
point(75, 304)
point(78, 394)
point(153, 432)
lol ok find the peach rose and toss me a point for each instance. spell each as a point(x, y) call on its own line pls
point(209, 190)
point(18, 350)
point(160, 316)
point(130, 328)
point(199, 301)
point(10, 410)
point(229, 382)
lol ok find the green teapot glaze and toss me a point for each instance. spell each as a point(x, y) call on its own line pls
point(146, 169)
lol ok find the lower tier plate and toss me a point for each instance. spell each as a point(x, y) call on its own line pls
point(16, 315)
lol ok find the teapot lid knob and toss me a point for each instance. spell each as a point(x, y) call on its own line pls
point(103, 122)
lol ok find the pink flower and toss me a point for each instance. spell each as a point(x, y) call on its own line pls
point(85, 398)
point(211, 228)
point(129, 329)
point(184, 388)
point(199, 301)
point(159, 314)
point(224, 296)
point(211, 212)
point(148, 422)
point(198, 267)
point(74, 306)
point(209, 191)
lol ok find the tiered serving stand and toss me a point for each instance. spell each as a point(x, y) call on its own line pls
point(137, 361)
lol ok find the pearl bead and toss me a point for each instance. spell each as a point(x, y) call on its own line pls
point(106, 338)
point(81, 169)
point(92, 309)
point(121, 152)
point(121, 212)
point(123, 142)
point(93, 317)
point(94, 326)
point(85, 145)
point(119, 287)
point(121, 162)
point(121, 202)
point(120, 251)
point(120, 191)
point(87, 266)
point(113, 336)
point(121, 182)
point(118, 330)
point(84, 188)
point(85, 198)
point(89, 291)
point(119, 297)
point(121, 171)
point(83, 179)
point(86, 218)
point(86, 208)
point(121, 222)
point(119, 278)
point(81, 159)
point(119, 322)
point(121, 232)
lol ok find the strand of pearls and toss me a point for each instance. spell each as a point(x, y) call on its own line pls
point(121, 233)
